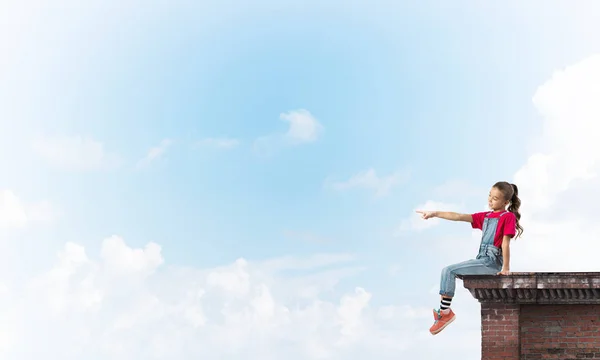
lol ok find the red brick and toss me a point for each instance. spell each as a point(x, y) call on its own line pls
point(578, 331)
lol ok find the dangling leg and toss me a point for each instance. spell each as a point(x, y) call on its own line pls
point(444, 316)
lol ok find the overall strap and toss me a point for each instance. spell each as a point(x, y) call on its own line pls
point(490, 212)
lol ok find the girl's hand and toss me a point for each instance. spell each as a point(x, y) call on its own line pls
point(426, 214)
point(504, 272)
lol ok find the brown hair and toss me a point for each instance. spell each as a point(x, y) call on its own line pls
point(511, 193)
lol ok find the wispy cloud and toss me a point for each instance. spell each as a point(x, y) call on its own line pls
point(218, 143)
point(312, 262)
point(15, 213)
point(459, 189)
point(75, 153)
point(155, 153)
point(306, 237)
point(416, 223)
point(381, 185)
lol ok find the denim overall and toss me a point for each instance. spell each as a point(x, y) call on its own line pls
point(488, 261)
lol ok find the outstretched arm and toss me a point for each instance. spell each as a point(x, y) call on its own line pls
point(446, 215)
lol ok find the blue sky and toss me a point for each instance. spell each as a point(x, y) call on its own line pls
point(430, 93)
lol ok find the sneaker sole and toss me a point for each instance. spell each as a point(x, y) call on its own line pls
point(443, 327)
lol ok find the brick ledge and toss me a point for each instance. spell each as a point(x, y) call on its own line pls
point(535, 287)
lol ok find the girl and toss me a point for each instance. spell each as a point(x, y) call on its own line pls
point(498, 227)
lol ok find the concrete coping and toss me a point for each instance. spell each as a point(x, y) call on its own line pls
point(536, 287)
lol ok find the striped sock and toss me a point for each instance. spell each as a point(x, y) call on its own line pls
point(445, 303)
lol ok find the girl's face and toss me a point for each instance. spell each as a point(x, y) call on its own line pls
point(496, 200)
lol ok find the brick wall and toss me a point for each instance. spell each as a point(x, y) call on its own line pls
point(538, 315)
point(526, 332)
point(560, 331)
point(500, 331)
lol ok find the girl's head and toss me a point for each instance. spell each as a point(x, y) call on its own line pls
point(502, 194)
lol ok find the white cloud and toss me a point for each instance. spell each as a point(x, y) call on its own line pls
point(370, 180)
point(74, 153)
point(43, 212)
point(128, 305)
point(218, 143)
point(566, 163)
point(350, 311)
point(119, 257)
point(416, 223)
point(303, 128)
point(155, 153)
point(232, 280)
point(568, 148)
point(14, 213)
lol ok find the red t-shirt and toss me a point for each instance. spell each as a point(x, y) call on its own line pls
point(507, 225)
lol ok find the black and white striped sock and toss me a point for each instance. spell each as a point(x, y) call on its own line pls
point(445, 303)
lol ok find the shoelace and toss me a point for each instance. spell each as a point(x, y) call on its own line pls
point(439, 315)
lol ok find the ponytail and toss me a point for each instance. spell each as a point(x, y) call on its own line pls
point(515, 204)
point(511, 192)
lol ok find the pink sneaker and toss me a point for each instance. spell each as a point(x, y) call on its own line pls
point(441, 320)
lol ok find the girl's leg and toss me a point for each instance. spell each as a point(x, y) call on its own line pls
point(469, 267)
point(445, 315)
